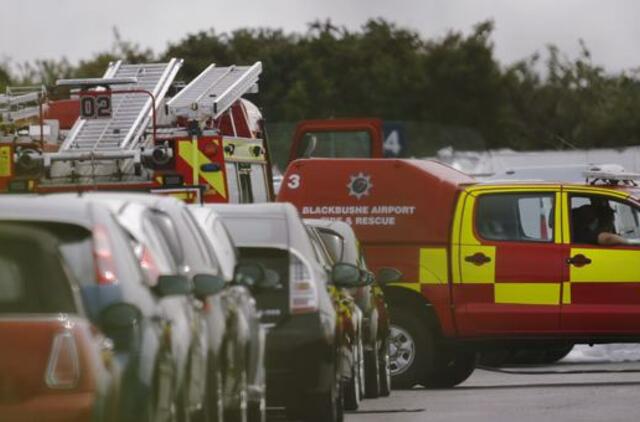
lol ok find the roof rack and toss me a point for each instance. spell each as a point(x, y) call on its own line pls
point(610, 174)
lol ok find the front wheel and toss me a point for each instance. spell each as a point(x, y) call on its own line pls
point(410, 348)
point(454, 365)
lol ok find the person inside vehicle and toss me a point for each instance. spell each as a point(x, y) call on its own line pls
point(595, 226)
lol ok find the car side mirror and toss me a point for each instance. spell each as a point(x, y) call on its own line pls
point(388, 275)
point(207, 285)
point(369, 278)
point(249, 274)
point(173, 285)
point(346, 275)
point(120, 322)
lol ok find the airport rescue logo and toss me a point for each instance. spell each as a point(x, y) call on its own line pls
point(359, 185)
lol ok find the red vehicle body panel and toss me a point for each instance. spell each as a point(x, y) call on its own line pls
point(24, 394)
point(393, 221)
point(65, 111)
point(371, 125)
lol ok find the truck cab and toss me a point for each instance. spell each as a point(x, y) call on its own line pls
point(485, 264)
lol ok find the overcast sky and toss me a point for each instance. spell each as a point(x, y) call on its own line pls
point(76, 29)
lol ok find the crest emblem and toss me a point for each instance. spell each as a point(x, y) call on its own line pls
point(359, 185)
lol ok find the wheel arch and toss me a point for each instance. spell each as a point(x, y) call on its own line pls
point(397, 296)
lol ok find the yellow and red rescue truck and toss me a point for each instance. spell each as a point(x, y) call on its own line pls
point(485, 265)
point(205, 143)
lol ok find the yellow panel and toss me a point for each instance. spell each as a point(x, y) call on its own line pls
point(558, 223)
point(467, 234)
point(5, 161)
point(215, 179)
point(566, 293)
point(433, 266)
point(477, 274)
point(566, 228)
point(607, 265)
point(527, 293)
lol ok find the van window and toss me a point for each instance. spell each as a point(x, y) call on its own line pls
point(515, 217)
point(340, 144)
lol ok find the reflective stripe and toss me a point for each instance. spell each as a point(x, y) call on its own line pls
point(527, 293)
point(433, 266)
point(214, 179)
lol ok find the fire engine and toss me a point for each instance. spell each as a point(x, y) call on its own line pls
point(486, 265)
point(206, 143)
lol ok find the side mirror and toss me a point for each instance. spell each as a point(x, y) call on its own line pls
point(120, 322)
point(207, 285)
point(346, 275)
point(388, 275)
point(249, 274)
point(369, 278)
point(172, 285)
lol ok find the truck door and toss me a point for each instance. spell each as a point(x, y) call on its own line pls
point(602, 282)
point(507, 261)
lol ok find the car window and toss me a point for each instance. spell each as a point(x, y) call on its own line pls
point(170, 236)
point(205, 252)
point(334, 244)
point(593, 214)
point(515, 217)
point(32, 279)
point(252, 231)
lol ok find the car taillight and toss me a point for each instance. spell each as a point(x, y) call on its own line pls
point(303, 297)
point(103, 255)
point(148, 264)
point(63, 369)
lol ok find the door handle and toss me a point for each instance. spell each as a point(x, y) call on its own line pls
point(578, 260)
point(477, 258)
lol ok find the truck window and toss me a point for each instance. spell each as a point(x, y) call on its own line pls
point(515, 217)
point(340, 144)
point(594, 214)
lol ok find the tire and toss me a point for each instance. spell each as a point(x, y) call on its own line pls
point(556, 354)
point(351, 389)
point(162, 406)
point(384, 370)
point(372, 373)
point(325, 407)
point(411, 347)
point(257, 411)
point(238, 413)
point(454, 365)
point(214, 407)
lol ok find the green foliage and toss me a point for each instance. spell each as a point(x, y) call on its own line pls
point(451, 89)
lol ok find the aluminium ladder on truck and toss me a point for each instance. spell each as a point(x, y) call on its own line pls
point(214, 91)
point(21, 103)
point(106, 149)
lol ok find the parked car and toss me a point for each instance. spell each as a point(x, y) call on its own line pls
point(115, 296)
point(349, 332)
point(53, 365)
point(240, 298)
point(216, 376)
point(302, 348)
point(342, 243)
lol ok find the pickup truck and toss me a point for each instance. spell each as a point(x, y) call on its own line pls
point(486, 266)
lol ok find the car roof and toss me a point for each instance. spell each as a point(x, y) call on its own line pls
point(70, 209)
point(296, 236)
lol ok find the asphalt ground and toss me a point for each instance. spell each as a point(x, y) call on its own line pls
point(567, 391)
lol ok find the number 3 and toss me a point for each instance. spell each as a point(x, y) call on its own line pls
point(294, 181)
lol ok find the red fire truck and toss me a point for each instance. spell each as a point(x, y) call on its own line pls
point(205, 143)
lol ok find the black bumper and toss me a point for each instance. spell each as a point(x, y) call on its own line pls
point(300, 360)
